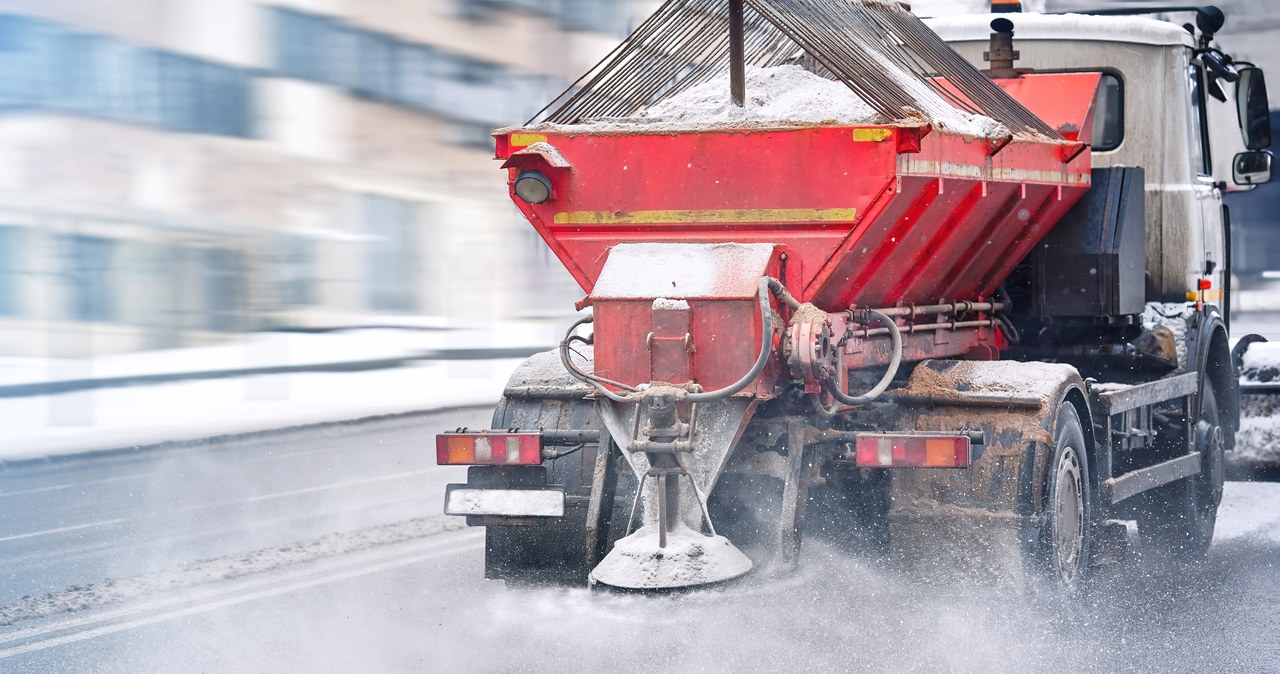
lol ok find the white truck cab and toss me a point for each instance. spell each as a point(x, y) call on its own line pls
point(1170, 103)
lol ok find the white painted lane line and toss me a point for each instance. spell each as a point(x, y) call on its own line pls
point(342, 485)
point(231, 601)
point(61, 530)
point(164, 527)
point(463, 541)
point(72, 485)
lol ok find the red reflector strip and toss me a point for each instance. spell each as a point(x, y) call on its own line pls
point(488, 449)
point(912, 451)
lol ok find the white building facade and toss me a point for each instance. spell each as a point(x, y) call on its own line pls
point(175, 171)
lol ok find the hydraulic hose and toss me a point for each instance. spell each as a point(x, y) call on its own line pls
point(579, 374)
point(889, 374)
point(767, 285)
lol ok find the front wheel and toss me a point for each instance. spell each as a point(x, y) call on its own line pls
point(1066, 534)
point(1178, 519)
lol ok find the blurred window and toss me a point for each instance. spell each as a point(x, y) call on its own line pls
point(221, 99)
point(377, 57)
point(145, 103)
point(1108, 114)
point(603, 16)
point(294, 263)
point(383, 67)
point(21, 50)
point(341, 57)
point(300, 43)
point(88, 275)
point(178, 76)
point(479, 136)
point(476, 10)
point(76, 72)
point(415, 84)
point(475, 71)
point(1199, 139)
point(224, 275)
point(392, 248)
point(10, 254)
point(48, 66)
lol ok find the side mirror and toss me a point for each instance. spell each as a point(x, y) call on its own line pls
point(1253, 109)
point(1252, 168)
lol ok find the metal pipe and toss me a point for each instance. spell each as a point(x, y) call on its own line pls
point(662, 510)
point(949, 308)
point(928, 327)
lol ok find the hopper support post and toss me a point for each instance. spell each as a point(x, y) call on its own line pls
point(737, 57)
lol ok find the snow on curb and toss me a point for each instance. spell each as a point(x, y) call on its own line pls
point(215, 571)
point(110, 419)
point(1258, 439)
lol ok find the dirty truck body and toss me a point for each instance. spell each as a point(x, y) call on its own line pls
point(880, 334)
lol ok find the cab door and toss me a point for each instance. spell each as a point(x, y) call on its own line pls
point(1210, 265)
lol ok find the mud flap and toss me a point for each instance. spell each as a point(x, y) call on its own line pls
point(559, 550)
point(988, 516)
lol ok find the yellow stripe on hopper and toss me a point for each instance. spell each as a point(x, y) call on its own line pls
point(526, 139)
point(739, 215)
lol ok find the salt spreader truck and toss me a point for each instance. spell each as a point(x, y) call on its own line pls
point(991, 308)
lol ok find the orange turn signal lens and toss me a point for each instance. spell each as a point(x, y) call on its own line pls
point(483, 448)
point(902, 450)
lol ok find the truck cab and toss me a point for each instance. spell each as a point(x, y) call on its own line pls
point(1166, 103)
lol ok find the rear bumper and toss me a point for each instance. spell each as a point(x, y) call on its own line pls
point(506, 496)
point(463, 499)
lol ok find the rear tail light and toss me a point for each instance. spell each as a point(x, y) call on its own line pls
point(913, 451)
point(480, 448)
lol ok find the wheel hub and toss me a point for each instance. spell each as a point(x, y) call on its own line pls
point(1068, 517)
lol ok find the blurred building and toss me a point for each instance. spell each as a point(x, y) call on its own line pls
point(173, 171)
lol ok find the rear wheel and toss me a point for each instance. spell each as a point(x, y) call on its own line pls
point(554, 551)
point(1066, 534)
point(1178, 519)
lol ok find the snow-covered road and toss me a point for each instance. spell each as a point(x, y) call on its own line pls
point(330, 555)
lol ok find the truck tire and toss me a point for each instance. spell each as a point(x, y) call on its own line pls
point(1066, 534)
point(1178, 519)
point(554, 552)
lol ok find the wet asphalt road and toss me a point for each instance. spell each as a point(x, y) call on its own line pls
point(81, 520)
point(422, 605)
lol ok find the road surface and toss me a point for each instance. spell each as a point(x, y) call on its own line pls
point(323, 551)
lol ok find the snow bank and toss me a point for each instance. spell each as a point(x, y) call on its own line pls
point(1262, 362)
point(1259, 436)
point(170, 584)
point(110, 418)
